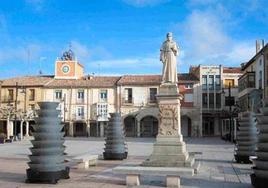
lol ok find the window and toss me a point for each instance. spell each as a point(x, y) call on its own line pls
point(80, 94)
point(31, 106)
point(128, 95)
point(188, 97)
point(211, 81)
point(58, 94)
point(205, 100)
point(153, 92)
point(228, 82)
point(103, 95)
point(218, 82)
point(211, 100)
point(32, 95)
point(218, 100)
point(204, 82)
point(188, 86)
point(10, 94)
point(80, 111)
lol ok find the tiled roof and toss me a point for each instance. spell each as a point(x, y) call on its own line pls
point(27, 81)
point(139, 80)
point(187, 77)
point(235, 70)
point(98, 81)
point(92, 82)
point(152, 79)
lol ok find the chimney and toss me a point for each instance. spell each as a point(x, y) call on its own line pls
point(259, 45)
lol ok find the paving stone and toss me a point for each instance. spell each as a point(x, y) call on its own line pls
point(215, 156)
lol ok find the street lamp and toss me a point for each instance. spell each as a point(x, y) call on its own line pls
point(15, 121)
point(230, 101)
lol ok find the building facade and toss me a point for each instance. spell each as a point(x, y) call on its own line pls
point(215, 80)
point(19, 98)
point(86, 101)
point(253, 83)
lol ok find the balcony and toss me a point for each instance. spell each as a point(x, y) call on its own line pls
point(79, 117)
point(80, 100)
point(152, 99)
point(246, 81)
point(100, 111)
point(7, 99)
point(127, 101)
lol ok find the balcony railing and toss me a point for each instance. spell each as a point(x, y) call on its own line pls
point(6, 99)
point(152, 100)
point(247, 80)
point(80, 100)
point(79, 117)
point(102, 111)
point(127, 100)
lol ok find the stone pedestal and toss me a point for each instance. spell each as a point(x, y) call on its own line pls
point(169, 149)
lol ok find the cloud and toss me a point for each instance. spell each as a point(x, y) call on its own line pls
point(143, 3)
point(206, 40)
point(241, 52)
point(37, 5)
point(21, 54)
point(205, 33)
point(135, 65)
point(81, 51)
point(239, 11)
point(85, 53)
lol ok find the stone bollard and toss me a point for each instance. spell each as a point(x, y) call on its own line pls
point(115, 146)
point(246, 137)
point(47, 159)
point(259, 178)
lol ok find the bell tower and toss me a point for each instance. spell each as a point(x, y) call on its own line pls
point(67, 67)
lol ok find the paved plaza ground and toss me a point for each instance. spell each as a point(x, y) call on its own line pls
point(216, 157)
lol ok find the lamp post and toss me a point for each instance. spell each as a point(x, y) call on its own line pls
point(15, 121)
point(231, 102)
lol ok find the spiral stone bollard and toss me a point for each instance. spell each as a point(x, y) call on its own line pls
point(47, 159)
point(246, 137)
point(259, 178)
point(115, 146)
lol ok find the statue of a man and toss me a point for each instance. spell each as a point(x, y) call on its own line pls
point(168, 53)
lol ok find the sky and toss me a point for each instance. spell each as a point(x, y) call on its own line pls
point(116, 37)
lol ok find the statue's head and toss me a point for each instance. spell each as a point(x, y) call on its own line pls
point(169, 36)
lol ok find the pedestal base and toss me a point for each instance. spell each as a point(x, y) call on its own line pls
point(242, 159)
point(169, 151)
point(34, 176)
point(258, 182)
point(114, 156)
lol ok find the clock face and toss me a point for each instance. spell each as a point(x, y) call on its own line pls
point(65, 69)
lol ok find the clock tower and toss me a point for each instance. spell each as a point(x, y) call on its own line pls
point(67, 67)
